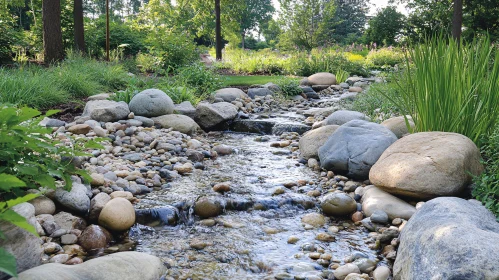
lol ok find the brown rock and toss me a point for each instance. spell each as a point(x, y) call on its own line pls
point(117, 215)
point(80, 129)
point(222, 187)
point(94, 237)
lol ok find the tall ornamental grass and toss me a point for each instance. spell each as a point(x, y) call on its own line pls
point(452, 87)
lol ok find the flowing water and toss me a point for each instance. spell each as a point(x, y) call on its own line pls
point(250, 239)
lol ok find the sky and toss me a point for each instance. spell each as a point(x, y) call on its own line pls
point(375, 4)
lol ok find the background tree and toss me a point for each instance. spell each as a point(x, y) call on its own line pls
point(254, 14)
point(52, 33)
point(79, 30)
point(385, 27)
point(457, 19)
point(349, 20)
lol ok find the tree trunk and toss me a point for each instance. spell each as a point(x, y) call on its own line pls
point(218, 31)
point(79, 29)
point(243, 37)
point(52, 34)
point(108, 39)
point(457, 19)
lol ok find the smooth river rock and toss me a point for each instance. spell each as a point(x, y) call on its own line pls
point(209, 115)
point(106, 110)
point(179, 123)
point(151, 103)
point(398, 125)
point(338, 204)
point(230, 94)
point(312, 140)
point(354, 147)
point(118, 215)
point(449, 238)
point(124, 265)
point(427, 165)
point(376, 199)
point(343, 116)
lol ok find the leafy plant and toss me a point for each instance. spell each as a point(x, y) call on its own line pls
point(199, 77)
point(453, 86)
point(384, 57)
point(289, 86)
point(341, 76)
point(377, 102)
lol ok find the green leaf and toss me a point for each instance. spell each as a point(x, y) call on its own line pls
point(13, 202)
point(51, 112)
point(8, 263)
point(7, 182)
point(18, 220)
point(45, 180)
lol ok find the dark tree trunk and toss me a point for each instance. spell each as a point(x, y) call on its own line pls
point(218, 31)
point(52, 34)
point(243, 39)
point(79, 29)
point(108, 39)
point(457, 19)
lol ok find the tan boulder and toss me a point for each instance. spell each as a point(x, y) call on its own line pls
point(322, 78)
point(118, 215)
point(311, 141)
point(179, 123)
point(398, 125)
point(427, 165)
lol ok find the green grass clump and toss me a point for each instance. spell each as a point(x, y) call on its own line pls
point(289, 86)
point(384, 57)
point(452, 87)
point(34, 87)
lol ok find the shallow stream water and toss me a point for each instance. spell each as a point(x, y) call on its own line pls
point(250, 239)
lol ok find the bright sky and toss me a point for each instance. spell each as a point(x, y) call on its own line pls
point(375, 5)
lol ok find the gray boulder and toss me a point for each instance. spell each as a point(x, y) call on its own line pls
point(75, 200)
point(254, 92)
point(343, 116)
point(354, 147)
point(449, 238)
point(180, 123)
point(312, 140)
point(210, 115)
point(106, 110)
point(375, 199)
point(186, 108)
point(230, 94)
point(124, 265)
point(151, 103)
point(23, 245)
point(273, 87)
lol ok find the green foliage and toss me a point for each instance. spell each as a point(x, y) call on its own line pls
point(289, 87)
point(486, 187)
point(341, 76)
point(385, 27)
point(197, 76)
point(173, 49)
point(349, 21)
point(8, 263)
point(452, 87)
point(384, 57)
point(374, 102)
point(250, 80)
point(148, 63)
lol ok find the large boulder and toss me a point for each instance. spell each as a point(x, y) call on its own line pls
point(26, 247)
point(230, 94)
point(106, 110)
point(426, 165)
point(343, 116)
point(151, 103)
point(322, 78)
point(376, 199)
point(398, 125)
point(186, 108)
point(75, 200)
point(449, 238)
point(354, 147)
point(124, 265)
point(254, 92)
point(210, 115)
point(312, 140)
point(180, 123)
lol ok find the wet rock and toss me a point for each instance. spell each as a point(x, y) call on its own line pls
point(43, 205)
point(199, 244)
point(151, 103)
point(124, 265)
point(398, 125)
point(118, 215)
point(230, 94)
point(357, 216)
point(387, 235)
point(106, 110)
point(376, 199)
point(312, 140)
point(74, 250)
point(20, 243)
point(181, 123)
point(338, 204)
point(184, 168)
point(160, 216)
point(79, 129)
point(325, 237)
point(51, 248)
point(343, 116)
point(74, 261)
point(222, 187)
point(97, 204)
point(426, 165)
point(94, 237)
point(356, 276)
point(210, 115)
point(454, 236)
point(75, 200)
point(314, 219)
point(68, 239)
point(365, 265)
point(223, 150)
point(293, 239)
point(207, 207)
point(341, 272)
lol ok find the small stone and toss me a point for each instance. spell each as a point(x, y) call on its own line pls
point(365, 265)
point(199, 244)
point(97, 179)
point(333, 229)
point(208, 207)
point(51, 248)
point(222, 187)
point(325, 237)
point(223, 150)
point(388, 235)
point(94, 237)
point(184, 168)
point(293, 239)
point(117, 215)
point(379, 216)
point(397, 222)
point(290, 184)
point(74, 261)
point(314, 219)
point(279, 190)
point(314, 256)
point(43, 205)
point(79, 129)
point(381, 273)
point(68, 239)
point(357, 217)
point(61, 258)
point(207, 222)
point(341, 272)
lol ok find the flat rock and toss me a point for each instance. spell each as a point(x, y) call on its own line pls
point(343, 116)
point(210, 115)
point(376, 199)
point(106, 110)
point(179, 123)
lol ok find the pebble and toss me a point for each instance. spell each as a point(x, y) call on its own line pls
point(379, 216)
point(293, 239)
point(314, 219)
point(325, 237)
point(341, 272)
point(381, 273)
point(68, 239)
point(61, 258)
point(222, 187)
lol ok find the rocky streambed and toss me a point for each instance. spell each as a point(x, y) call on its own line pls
point(271, 189)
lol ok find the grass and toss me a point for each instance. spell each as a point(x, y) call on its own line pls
point(250, 80)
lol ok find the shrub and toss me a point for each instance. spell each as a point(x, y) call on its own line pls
point(452, 87)
point(173, 49)
point(374, 102)
point(197, 76)
point(384, 57)
point(148, 63)
point(289, 86)
point(486, 187)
